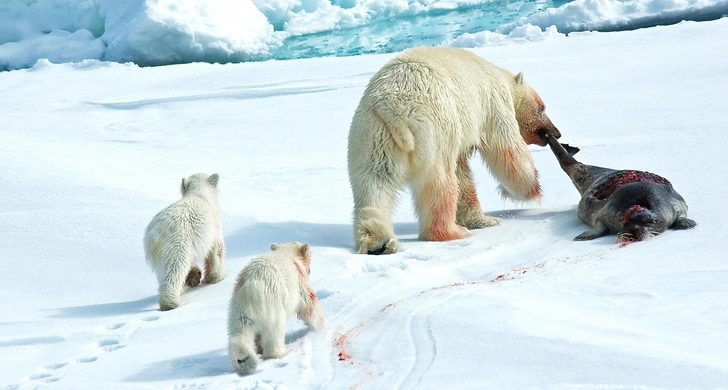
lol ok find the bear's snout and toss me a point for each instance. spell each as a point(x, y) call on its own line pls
point(550, 130)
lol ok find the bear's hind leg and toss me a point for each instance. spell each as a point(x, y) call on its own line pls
point(241, 353)
point(436, 197)
point(214, 263)
point(173, 285)
point(469, 214)
point(273, 339)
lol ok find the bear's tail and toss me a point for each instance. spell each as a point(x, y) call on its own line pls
point(242, 356)
point(397, 125)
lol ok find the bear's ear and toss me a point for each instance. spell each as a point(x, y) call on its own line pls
point(183, 186)
point(274, 246)
point(519, 78)
point(213, 179)
point(305, 251)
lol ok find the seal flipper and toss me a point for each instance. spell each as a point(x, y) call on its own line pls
point(682, 223)
point(572, 150)
point(597, 231)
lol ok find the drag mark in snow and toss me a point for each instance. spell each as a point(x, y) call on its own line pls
point(349, 337)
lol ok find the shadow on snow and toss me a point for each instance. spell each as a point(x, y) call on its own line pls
point(212, 363)
point(148, 304)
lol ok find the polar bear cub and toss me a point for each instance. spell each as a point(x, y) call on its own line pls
point(184, 232)
point(268, 290)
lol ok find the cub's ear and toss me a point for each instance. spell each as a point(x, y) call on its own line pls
point(183, 186)
point(213, 179)
point(305, 251)
point(274, 246)
point(519, 78)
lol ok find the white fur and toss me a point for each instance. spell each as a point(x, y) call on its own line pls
point(422, 115)
point(186, 231)
point(269, 289)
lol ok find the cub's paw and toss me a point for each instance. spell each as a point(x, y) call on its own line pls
point(193, 277)
point(212, 278)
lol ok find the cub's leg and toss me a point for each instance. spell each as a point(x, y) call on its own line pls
point(173, 284)
point(273, 339)
point(214, 263)
point(469, 213)
point(193, 277)
point(258, 345)
point(240, 350)
point(311, 313)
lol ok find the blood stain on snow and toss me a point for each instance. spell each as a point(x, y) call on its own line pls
point(343, 356)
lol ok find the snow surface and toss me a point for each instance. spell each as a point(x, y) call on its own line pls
point(160, 32)
point(91, 151)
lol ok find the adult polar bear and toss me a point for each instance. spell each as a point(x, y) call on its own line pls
point(422, 115)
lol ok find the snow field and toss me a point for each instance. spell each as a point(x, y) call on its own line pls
point(92, 151)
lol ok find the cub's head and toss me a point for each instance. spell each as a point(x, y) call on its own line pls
point(199, 182)
point(531, 115)
point(302, 252)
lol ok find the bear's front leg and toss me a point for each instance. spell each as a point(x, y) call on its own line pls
point(214, 263)
point(373, 232)
point(469, 213)
point(436, 204)
point(313, 317)
point(193, 277)
point(311, 312)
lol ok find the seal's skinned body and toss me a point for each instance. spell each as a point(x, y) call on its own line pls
point(633, 204)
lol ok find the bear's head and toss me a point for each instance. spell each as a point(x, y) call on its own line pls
point(531, 115)
point(299, 252)
point(199, 182)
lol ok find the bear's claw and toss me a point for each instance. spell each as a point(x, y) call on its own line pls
point(378, 251)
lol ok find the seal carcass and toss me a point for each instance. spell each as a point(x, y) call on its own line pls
point(635, 205)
